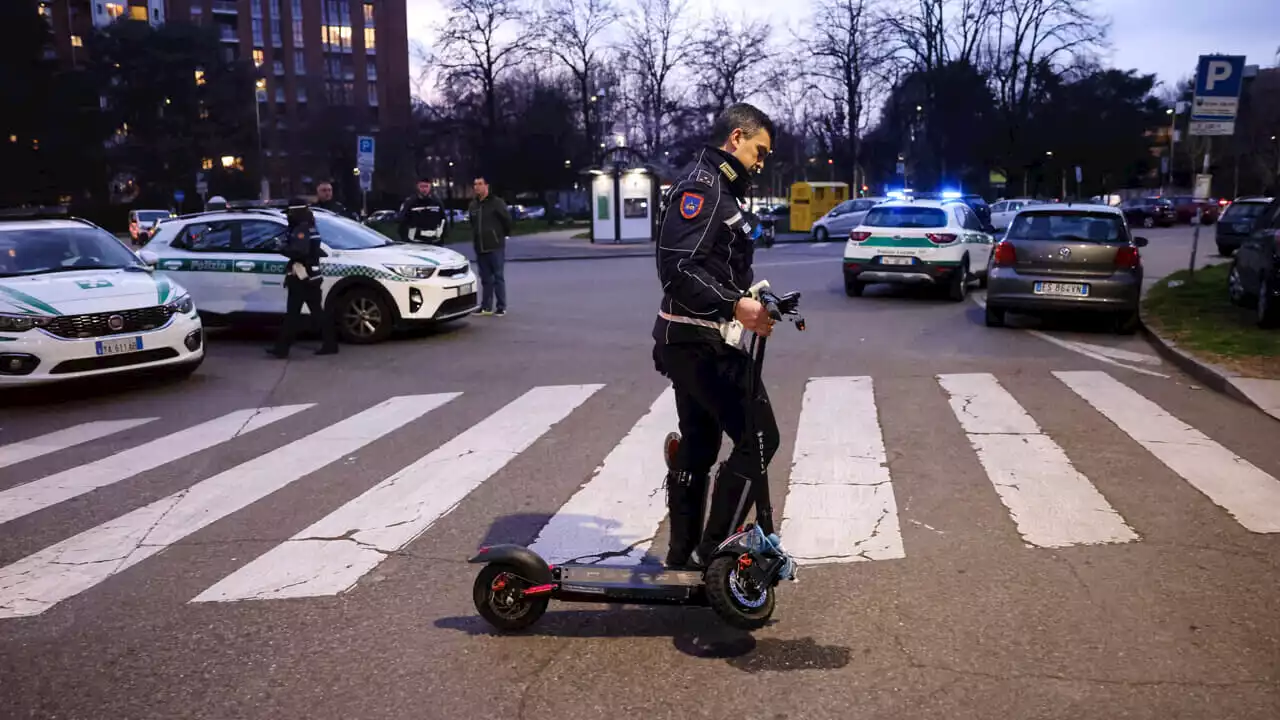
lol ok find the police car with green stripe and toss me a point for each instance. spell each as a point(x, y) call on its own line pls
point(229, 259)
point(939, 243)
point(76, 302)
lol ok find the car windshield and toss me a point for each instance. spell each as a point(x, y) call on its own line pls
point(62, 249)
point(906, 217)
point(1243, 211)
point(343, 234)
point(1065, 225)
point(146, 217)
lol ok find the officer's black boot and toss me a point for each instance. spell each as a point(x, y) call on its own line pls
point(686, 503)
point(728, 506)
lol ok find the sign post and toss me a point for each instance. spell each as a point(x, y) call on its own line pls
point(364, 169)
point(1219, 79)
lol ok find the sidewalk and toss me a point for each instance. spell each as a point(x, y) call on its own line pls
point(561, 245)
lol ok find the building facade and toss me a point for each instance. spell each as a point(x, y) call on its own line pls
point(328, 70)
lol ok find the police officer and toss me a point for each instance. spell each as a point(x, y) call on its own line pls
point(704, 264)
point(422, 217)
point(326, 201)
point(302, 280)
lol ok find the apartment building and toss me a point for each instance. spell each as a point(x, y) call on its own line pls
point(328, 70)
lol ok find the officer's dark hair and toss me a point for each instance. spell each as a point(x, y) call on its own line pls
point(741, 115)
point(299, 213)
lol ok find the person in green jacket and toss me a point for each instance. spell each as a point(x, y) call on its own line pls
point(490, 226)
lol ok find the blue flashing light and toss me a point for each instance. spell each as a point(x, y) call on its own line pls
point(951, 195)
point(896, 195)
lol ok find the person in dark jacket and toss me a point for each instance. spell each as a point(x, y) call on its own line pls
point(302, 280)
point(704, 256)
point(490, 225)
point(423, 216)
point(325, 201)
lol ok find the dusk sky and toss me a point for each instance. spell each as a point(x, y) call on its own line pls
point(1159, 36)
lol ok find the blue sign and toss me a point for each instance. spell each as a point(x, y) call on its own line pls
point(366, 145)
point(179, 196)
point(1219, 76)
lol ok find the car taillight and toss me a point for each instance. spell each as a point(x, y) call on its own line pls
point(1127, 258)
point(857, 236)
point(1005, 255)
point(940, 238)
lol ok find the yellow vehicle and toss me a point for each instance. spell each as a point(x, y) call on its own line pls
point(811, 200)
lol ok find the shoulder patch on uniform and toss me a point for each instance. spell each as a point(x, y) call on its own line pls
point(703, 177)
point(690, 205)
point(729, 172)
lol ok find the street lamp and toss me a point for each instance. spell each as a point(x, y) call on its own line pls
point(260, 96)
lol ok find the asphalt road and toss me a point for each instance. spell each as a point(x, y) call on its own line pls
point(1065, 532)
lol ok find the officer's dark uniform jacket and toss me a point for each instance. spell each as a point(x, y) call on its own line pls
point(336, 207)
point(302, 247)
point(421, 214)
point(704, 249)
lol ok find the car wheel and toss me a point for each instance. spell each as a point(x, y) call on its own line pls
point(1148, 222)
point(995, 317)
point(1127, 323)
point(1235, 286)
point(820, 234)
point(363, 317)
point(1224, 251)
point(852, 287)
point(959, 286)
point(1268, 308)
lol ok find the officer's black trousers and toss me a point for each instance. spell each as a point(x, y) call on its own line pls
point(709, 382)
point(304, 292)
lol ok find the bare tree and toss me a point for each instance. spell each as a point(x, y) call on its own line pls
point(656, 44)
point(736, 62)
point(570, 30)
point(479, 44)
point(849, 43)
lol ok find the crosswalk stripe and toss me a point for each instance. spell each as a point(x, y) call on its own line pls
point(25, 450)
point(1052, 504)
point(39, 581)
point(331, 555)
point(73, 482)
point(616, 514)
point(1250, 495)
point(840, 505)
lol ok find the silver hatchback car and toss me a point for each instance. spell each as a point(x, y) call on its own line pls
point(1067, 257)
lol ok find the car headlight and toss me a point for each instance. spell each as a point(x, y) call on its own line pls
point(21, 323)
point(418, 272)
point(181, 305)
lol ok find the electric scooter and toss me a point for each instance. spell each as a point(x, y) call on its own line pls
point(515, 585)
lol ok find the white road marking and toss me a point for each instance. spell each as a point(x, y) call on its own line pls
point(1250, 495)
point(43, 579)
point(1117, 353)
point(1079, 347)
point(59, 440)
point(840, 505)
point(73, 482)
point(821, 244)
point(333, 554)
point(615, 515)
point(824, 261)
point(1052, 504)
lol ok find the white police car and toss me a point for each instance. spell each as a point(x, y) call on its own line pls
point(939, 243)
point(76, 302)
point(230, 261)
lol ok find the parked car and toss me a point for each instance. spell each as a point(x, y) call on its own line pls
point(1064, 258)
point(843, 218)
point(1237, 223)
point(142, 224)
point(1149, 212)
point(1185, 207)
point(1002, 211)
point(1254, 276)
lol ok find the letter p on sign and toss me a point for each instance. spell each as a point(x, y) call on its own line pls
point(1219, 71)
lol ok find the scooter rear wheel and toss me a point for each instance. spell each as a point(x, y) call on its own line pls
point(735, 597)
point(496, 596)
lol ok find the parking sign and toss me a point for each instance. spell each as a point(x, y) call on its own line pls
point(364, 153)
point(1219, 79)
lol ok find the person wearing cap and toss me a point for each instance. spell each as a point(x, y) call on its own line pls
point(302, 280)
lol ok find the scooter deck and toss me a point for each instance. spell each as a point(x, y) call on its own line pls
point(639, 584)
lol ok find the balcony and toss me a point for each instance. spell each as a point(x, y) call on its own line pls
point(225, 7)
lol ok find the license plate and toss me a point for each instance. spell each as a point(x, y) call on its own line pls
point(123, 345)
point(466, 289)
point(1063, 289)
point(894, 260)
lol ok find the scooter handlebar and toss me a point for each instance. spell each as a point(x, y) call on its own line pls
point(787, 304)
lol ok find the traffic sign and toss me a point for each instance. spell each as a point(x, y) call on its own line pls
point(364, 154)
point(179, 196)
point(1219, 79)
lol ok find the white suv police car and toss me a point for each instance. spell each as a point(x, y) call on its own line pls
point(229, 260)
point(939, 243)
point(76, 302)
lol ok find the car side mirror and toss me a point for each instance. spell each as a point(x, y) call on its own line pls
point(149, 258)
point(1140, 241)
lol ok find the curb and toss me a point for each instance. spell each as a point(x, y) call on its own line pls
point(593, 256)
point(1210, 375)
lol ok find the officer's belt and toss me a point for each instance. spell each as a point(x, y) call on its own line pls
point(689, 320)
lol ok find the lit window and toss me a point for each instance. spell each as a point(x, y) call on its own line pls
point(368, 14)
point(115, 10)
point(370, 41)
point(138, 12)
point(258, 57)
point(206, 164)
point(336, 34)
point(199, 77)
point(76, 41)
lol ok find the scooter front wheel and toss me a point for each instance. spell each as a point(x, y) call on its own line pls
point(735, 597)
point(497, 596)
